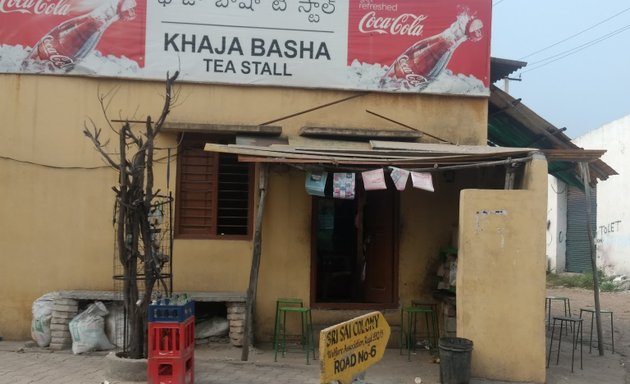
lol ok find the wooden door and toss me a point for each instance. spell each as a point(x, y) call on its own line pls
point(380, 245)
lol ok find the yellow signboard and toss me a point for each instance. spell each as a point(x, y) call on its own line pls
point(351, 347)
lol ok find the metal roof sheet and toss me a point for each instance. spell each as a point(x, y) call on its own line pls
point(512, 124)
point(501, 68)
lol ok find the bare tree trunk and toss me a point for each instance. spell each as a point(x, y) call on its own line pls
point(248, 335)
point(598, 319)
point(135, 236)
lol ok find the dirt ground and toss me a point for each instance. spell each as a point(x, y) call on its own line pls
point(617, 302)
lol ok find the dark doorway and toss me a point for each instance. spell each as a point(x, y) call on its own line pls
point(354, 250)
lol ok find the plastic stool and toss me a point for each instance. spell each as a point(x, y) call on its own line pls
point(283, 302)
point(567, 307)
point(576, 325)
point(306, 336)
point(612, 328)
point(408, 333)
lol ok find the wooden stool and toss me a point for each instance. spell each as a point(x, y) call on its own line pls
point(612, 329)
point(576, 325)
point(306, 336)
point(408, 332)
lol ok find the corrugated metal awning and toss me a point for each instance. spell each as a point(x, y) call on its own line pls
point(512, 124)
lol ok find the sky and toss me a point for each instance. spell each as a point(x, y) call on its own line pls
point(578, 71)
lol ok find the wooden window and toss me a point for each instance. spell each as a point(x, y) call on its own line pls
point(214, 191)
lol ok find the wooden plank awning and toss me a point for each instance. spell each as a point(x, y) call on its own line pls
point(375, 153)
point(232, 129)
point(573, 155)
point(391, 153)
point(360, 133)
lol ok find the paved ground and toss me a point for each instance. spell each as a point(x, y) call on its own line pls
point(220, 363)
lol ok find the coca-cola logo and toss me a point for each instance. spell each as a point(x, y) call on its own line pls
point(408, 75)
point(49, 51)
point(404, 24)
point(36, 7)
point(61, 61)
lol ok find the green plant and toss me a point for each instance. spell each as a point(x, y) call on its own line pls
point(608, 286)
point(581, 280)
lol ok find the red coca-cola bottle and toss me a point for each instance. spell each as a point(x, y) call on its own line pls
point(69, 42)
point(421, 63)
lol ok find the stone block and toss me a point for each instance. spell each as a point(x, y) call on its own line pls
point(236, 308)
point(236, 316)
point(59, 327)
point(237, 341)
point(60, 332)
point(66, 302)
point(237, 323)
point(57, 320)
point(66, 308)
point(63, 315)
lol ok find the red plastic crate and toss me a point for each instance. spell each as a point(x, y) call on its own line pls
point(166, 370)
point(172, 339)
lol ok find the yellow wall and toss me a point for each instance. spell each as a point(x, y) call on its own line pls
point(427, 221)
point(56, 230)
point(501, 278)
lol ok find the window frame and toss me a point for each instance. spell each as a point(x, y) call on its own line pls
point(186, 140)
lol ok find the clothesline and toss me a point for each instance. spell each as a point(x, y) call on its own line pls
point(344, 183)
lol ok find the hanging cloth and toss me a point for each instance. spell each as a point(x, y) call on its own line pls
point(315, 183)
point(422, 180)
point(399, 177)
point(343, 186)
point(374, 179)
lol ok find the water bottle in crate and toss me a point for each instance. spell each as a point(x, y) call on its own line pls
point(171, 311)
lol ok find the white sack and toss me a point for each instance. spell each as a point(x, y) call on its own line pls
point(215, 326)
point(42, 315)
point(88, 330)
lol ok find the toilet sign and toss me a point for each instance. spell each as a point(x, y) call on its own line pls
point(351, 347)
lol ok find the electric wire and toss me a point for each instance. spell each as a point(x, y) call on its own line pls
point(575, 50)
point(584, 45)
point(575, 34)
point(76, 167)
point(169, 158)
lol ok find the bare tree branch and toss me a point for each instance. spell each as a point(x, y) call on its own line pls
point(105, 101)
point(167, 102)
point(94, 137)
point(166, 108)
point(134, 139)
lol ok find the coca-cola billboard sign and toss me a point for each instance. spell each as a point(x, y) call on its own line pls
point(416, 46)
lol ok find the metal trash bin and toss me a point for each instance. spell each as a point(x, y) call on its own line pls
point(455, 355)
